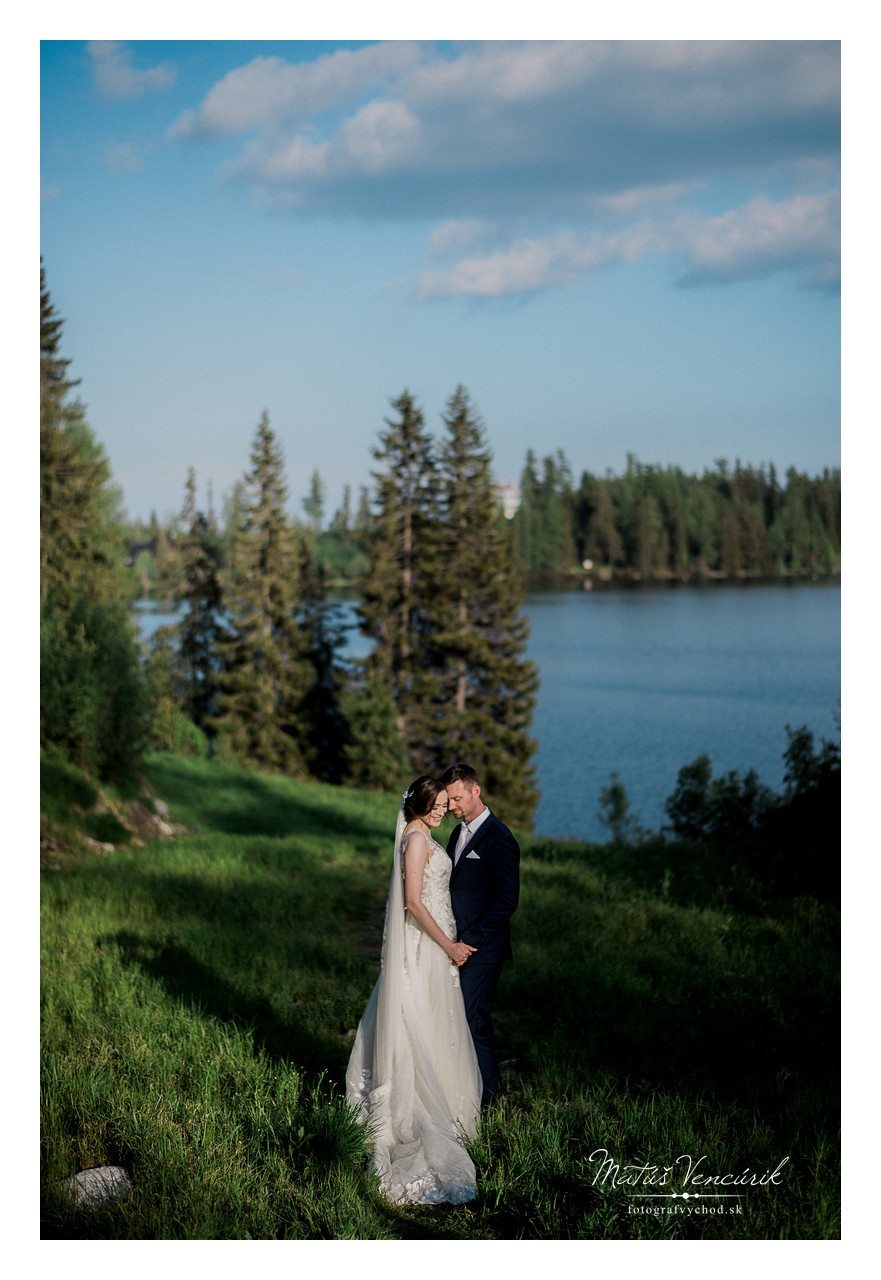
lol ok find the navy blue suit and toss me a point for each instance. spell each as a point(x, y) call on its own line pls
point(484, 890)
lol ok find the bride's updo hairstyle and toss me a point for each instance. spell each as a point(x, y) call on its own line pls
point(420, 796)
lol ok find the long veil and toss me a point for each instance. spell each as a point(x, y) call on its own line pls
point(391, 987)
point(398, 1081)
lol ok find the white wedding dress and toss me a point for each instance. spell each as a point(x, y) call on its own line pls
point(413, 1073)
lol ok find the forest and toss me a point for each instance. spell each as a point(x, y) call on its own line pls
point(254, 673)
point(651, 524)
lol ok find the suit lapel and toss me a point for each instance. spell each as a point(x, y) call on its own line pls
point(469, 845)
point(451, 846)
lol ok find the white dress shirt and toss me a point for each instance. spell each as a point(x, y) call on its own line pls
point(467, 831)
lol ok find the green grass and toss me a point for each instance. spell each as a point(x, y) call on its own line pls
point(200, 995)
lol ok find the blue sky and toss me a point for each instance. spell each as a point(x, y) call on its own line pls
point(625, 246)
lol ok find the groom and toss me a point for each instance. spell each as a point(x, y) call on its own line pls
point(484, 888)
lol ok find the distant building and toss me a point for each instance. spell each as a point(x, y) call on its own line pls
point(509, 496)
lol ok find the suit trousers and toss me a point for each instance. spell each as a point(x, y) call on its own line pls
point(479, 982)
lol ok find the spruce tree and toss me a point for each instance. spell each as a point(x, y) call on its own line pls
point(323, 637)
point(54, 382)
point(82, 532)
point(92, 698)
point(201, 630)
point(605, 539)
point(396, 607)
point(313, 503)
point(342, 520)
point(374, 753)
point(479, 636)
point(265, 673)
point(527, 519)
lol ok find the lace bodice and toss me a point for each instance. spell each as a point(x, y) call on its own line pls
point(436, 885)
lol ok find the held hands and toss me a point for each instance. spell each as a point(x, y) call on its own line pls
point(460, 951)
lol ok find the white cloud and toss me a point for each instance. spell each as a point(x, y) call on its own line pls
point(566, 142)
point(381, 136)
point(377, 139)
point(766, 235)
point(295, 159)
point(532, 265)
point(515, 121)
point(506, 72)
point(268, 91)
point(757, 239)
point(116, 77)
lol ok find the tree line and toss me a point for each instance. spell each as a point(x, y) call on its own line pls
point(254, 671)
point(657, 523)
point(652, 523)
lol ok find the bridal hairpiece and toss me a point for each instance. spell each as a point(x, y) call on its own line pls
point(406, 796)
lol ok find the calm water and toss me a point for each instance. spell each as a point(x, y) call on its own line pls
point(642, 681)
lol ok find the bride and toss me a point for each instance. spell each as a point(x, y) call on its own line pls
point(413, 1072)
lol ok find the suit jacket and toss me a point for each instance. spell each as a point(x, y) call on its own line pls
point(485, 888)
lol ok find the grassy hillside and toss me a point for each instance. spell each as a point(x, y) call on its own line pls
point(201, 991)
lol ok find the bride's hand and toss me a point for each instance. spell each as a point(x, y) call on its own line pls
point(460, 952)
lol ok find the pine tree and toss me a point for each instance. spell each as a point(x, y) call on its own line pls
point(704, 524)
point(479, 636)
point(265, 673)
point(364, 518)
point(396, 608)
point(323, 637)
point(374, 753)
point(527, 519)
point(605, 538)
point(342, 520)
point(201, 630)
point(651, 551)
point(82, 532)
point(313, 504)
point(558, 502)
point(679, 535)
point(54, 382)
point(92, 700)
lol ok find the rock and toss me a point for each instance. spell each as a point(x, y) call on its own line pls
point(91, 1188)
point(99, 847)
point(141, 816)
point(151, 824)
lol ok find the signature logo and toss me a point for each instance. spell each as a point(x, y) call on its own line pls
point(685, 1178)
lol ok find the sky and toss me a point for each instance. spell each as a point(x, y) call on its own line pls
point(617, 246)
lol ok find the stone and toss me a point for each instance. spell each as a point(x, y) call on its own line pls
point(90, 1188)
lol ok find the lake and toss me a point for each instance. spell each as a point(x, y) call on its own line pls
point(640, 681)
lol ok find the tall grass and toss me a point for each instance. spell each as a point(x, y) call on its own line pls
point(200, 997)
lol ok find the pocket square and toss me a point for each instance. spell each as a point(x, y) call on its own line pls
point(472, 854)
